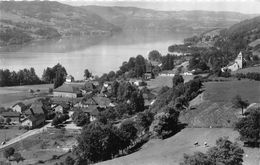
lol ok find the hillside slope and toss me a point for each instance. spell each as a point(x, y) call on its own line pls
point(170, 151)
point(214, 107)
point(132, 18)
point(23, 21)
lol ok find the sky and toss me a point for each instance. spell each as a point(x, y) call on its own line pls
point(242, 6)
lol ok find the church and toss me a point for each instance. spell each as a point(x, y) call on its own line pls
point(236, 65)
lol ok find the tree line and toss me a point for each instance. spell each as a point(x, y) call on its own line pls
point(22, 77)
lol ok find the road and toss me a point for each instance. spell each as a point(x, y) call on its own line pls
point(25, 135)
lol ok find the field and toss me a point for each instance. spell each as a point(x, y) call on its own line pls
point(225, 91)
point(248, 70)
point(161, 81)
point(170, 151)
point(214, 107)
point(11, 95)
point(7, 134)
point(43, 146)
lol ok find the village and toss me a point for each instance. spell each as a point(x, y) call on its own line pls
point(88, 84)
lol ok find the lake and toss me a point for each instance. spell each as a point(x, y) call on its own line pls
point(98, 54)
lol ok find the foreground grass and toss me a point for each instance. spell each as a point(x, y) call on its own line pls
point(170, 151)
point(7, 134)
point(43, 146)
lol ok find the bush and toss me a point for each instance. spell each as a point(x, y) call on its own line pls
point(69, 161)
point(9, 152)
point(224, 153)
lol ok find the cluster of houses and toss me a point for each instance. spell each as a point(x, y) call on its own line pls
point(22, 115)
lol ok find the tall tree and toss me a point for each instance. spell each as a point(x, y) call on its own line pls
point(154, 55)
point(177, 79)
point(140, 66)
point(249, 127)
point(87, 74)
point(97, 142)
point(239, 103)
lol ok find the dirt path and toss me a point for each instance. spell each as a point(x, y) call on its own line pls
point(24, 136)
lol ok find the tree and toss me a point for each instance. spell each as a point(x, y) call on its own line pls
point(59, 79)
point(80, 118)
point(137, 102)
point(8, 120)
point(154, 55)
point(226, 152)
point(129, 130)
point(87, 74)
point(69, 161)
point(97, 142)
point(115, 86)
point(9, 152)
point(144, 119)
point(56, 74)
point(177, 79)
point(140, 66)
point(239, 103)
point(249, 127)
point(59, 119)
point(167, 62)
point(198, 158)
point(17, 157)
point(165, 123)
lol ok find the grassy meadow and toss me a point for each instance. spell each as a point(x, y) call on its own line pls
point(11, 95)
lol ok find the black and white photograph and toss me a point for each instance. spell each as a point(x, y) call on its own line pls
point(130, 82)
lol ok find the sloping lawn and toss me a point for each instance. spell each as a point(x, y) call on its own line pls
point(225, 91)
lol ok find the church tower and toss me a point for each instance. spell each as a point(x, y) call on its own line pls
point(239, 60)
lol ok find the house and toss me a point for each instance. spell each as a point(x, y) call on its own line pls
point(236, 65)
point(35, 109)
point(102, 102)
point(67, 90)
point(13, 115)
point(19, 107)
point(137, 82)
point(187, 74)
point(69, 79)
point(33, 121)
point(59, 109)
point(106, 88)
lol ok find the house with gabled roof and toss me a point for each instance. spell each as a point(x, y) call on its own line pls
point(13, 115)
point(35, 108)
point(19, 107)
point(67, 90)
point(33, 121)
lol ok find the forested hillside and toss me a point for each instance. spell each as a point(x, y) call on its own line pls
point(132, 18)
point(21, 22)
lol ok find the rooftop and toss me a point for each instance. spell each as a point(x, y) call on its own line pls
point(69, 88)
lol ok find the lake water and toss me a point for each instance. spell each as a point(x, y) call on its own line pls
point(98, 54)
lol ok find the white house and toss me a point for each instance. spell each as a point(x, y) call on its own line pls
point(69, 78)
point(33, 121)
point(19, 107)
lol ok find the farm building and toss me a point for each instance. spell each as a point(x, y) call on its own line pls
point(67, 90)
point(14, 116)
point(19, 107)
point(34, 121)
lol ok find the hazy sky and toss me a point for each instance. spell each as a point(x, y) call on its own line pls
point(243, 6)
